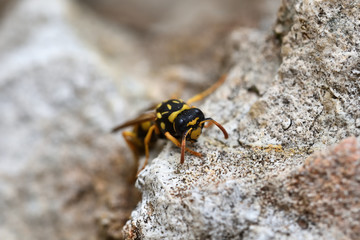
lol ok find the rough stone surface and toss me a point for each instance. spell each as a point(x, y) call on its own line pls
point(287, 95)
point(59, 167)
point(68, 75)
point(326, 188)
point(315, 90)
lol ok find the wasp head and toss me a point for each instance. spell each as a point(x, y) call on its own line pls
point(190, 119)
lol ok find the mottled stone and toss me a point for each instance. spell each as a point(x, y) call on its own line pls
point(69, 73)
point(327, 188)
point(287, 95)
point(57, 103)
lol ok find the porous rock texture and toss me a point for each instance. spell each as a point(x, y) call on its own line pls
point(68, 75)
point(59, 167)
point(287, 95)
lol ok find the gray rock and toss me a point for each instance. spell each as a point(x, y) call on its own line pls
point(67, 77)
point(287, 95)
point(58, 104)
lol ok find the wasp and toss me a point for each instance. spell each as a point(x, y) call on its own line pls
point(175, 120)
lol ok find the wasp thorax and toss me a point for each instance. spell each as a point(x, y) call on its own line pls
point(190, 118)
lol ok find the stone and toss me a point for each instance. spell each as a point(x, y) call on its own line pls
point(71, 71)
point(58, 104)
point(289, 169)
point(326, 188)
point(263, 182)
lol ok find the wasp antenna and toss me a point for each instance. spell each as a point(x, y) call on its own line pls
point(178, 144)
point(226, 135)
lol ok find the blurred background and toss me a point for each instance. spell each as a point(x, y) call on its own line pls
point(70, 71)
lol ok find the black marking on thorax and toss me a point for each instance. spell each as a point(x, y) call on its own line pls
point(166, 113)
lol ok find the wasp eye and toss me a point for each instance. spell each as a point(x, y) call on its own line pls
point(180, 125)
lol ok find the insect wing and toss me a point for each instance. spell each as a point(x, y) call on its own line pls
point(142, 118)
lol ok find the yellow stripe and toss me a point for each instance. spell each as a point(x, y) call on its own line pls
point(175, 114)
point(193, 122)
point(169, 106)
point(162, 125)
point(158, 115)
point(195, 133)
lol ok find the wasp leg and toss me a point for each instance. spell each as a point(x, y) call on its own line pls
point(226, 135)
point(183, 146)
point(129, 139)
point(146, 144)
point(177, 143)
point(208, 91)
